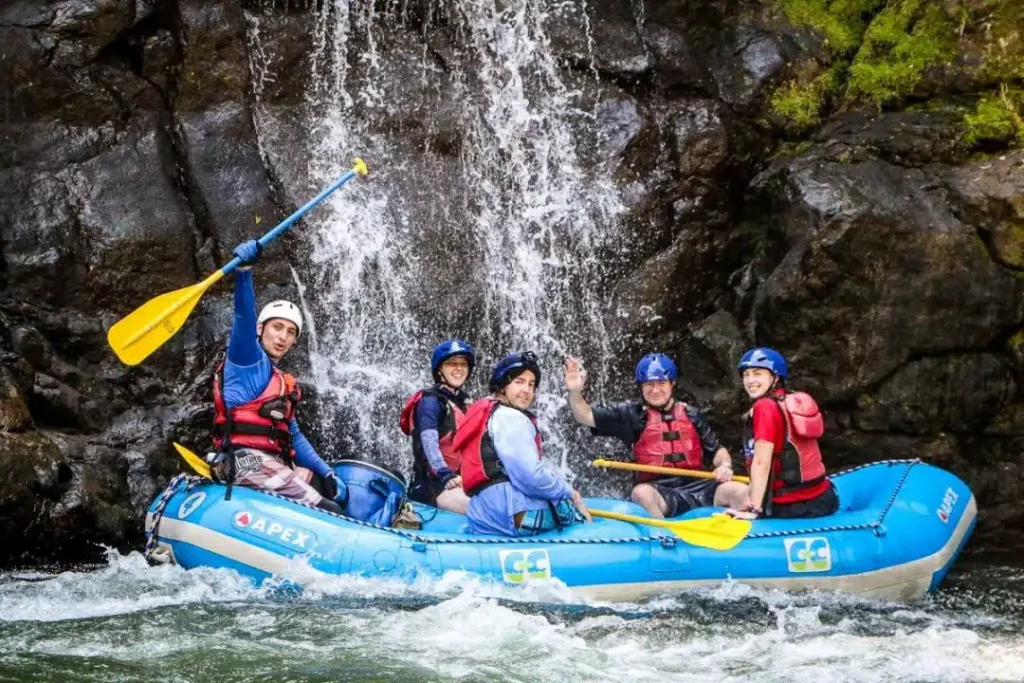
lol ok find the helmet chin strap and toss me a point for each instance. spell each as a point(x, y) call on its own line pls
point(667, 405)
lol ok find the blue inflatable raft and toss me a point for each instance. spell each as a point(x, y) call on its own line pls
point(900, 526)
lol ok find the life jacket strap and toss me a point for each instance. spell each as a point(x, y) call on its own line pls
point(801, 486)
point(486, 485)
point(280, 435)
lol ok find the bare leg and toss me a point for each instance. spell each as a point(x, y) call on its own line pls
point(648, 497)
point(731, 494)
point(453, 500)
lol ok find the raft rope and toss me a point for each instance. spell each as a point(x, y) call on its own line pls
point(876, 526)
point(152, 543)
point(668, 541)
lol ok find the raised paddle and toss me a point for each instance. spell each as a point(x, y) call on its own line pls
point(145, 329)
point(197, 463)
point(671, 471)
point(718, 532)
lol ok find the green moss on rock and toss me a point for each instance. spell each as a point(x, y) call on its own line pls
point(997, 118)
point(903, 40)
point(840, 22)
point(801, 104)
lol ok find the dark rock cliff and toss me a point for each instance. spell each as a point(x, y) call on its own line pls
point(845, 187)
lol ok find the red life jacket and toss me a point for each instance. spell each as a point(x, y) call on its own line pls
point(453, 419)
point(262, 423)
point(668, 440)
point(481, 466)
point(798, 472)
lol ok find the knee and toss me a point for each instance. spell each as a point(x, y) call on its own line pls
point(642, 494)
point(733, 494)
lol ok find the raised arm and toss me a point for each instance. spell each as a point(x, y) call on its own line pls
point(243, 345)
point(575, 378)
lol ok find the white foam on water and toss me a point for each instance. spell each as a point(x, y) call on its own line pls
point(125, 586)
point(459, 627)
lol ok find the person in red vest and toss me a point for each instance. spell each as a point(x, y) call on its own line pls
point(256, 438)
point(431, 417)
point(664, 432)
point(787, 475)
point(513, 491)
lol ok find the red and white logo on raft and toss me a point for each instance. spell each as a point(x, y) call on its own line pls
point(272, 530)
point(948, 503)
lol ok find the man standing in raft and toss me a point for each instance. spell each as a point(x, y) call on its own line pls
point(663, 432)
point(780, 442)
point(511, 488)
point(432, 417)
point(255, 434)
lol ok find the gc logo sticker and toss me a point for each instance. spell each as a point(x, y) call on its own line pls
point(189, 505)
point(518, 566)
point(808, 554)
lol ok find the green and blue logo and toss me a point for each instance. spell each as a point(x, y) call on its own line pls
point(518, 566)
point(811, 554)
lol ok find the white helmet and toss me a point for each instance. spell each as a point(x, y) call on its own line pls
point(282, 309)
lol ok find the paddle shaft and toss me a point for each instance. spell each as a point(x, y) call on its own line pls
point(302, 211)
point(670, 471)
point(131, 329)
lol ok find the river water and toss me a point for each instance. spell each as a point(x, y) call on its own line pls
point(129, 622)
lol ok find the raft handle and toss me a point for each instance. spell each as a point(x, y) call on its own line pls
point(669, 542)
point(419, 546)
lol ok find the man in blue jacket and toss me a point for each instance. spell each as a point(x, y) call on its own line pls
point(258, 441)
point(513, 490)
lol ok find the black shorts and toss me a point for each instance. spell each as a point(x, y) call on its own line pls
point(426, 490)
point(682, 494)
point(822, 506)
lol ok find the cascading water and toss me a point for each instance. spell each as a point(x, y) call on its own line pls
point(505, 222)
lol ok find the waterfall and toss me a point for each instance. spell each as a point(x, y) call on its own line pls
point(488, 228)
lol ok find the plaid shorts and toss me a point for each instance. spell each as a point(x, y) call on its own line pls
point(258, 470)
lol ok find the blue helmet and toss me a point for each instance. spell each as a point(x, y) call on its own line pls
point(447, 349)
point(763, 357)
point(656, 367)
point(511, 366)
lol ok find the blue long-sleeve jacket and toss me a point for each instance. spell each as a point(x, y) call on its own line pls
point(429, 415)
point(248, 369)
point(532, 482)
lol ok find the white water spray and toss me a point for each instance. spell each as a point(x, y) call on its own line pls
point(507, 218)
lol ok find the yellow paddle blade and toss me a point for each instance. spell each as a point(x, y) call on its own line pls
point(197, 463)
point(145, 329)
point(718, 532)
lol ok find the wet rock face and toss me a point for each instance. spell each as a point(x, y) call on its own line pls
point(855, 293)
point(887, 267)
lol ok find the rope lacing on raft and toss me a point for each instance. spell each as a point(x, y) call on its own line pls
point(876, 526)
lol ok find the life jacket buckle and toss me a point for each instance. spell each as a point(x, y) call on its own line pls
point(670, 436)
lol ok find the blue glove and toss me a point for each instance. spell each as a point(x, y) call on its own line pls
point(445, 475)
point(248, 252)
point(336, 489)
